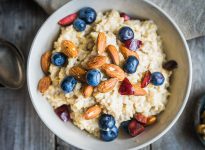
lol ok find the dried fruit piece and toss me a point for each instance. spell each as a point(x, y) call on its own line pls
point(133, 44)
point(170, 65)
point(108, 85)
point(44, 84)
point(126, 88)
point(69, 49)
point(96, 62)
point(151, 120)
point(78, 72)
point(68, 19)
point(87, 91)
point(138, 90)
point(126, 52)
point(46, 61)
point(113, 54)
point(135, 128)
point(146, 79)
point(114, 71)
point(63, 113)
point(141, 118)
point(125, 16)
point(92, 112)
point(101, 42)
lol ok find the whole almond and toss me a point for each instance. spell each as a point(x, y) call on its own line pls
point(87, 91)
point(69, 49)
point(126, 52)
point(96, 62)
point(113, 54)
point(107, 86)
point(44, 84)
point(92, 112)
point(78, 72)
point(113, 71)
point(138, 90)
point(46, 61)
point(101, 42)
point(151, 120)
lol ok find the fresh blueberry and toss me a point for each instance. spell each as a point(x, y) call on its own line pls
point(109, 135)
point(87, 14)
point(157, 78)
point(68, 84)
point(93, 77)
point(79, 25)
point(106, 122)
point(125, 33)
point(131, 64)
point(124, 125)
point(58, 59)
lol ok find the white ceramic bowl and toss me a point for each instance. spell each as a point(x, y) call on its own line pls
point(175, 47)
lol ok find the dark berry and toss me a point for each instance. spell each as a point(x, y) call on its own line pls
point(58, 59)
point(126, 88)
point(157, 78)
point(106, 122)
point(63, 113)
point(125, 33)
point(68, 84)
point(87, 14)
point(93, 77)
point(131, 64)
point(170, 65)
point(109, 135)
point(79, 25)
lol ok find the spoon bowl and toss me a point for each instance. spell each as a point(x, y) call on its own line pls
point(12, 74)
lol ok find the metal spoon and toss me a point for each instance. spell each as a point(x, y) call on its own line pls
point(12, 73)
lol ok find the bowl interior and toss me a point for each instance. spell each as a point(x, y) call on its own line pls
point(174, 45)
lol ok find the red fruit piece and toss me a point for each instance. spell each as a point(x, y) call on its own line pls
point(135, 128)
point(68, 19)
point(63, 113)
point(126, 88)
point(133, 44)
point(125, 16)
point(141, 118)
point(146, 79)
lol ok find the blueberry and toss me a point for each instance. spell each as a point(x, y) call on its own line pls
point(58, 59)
point(124, 125)
point(93, 77)
point(106, 122)
point(157, 78)
point(68, 84)
point(79, 25)
point(131, 64)
point(125, 33)
point(109, 135)
point(87, 14)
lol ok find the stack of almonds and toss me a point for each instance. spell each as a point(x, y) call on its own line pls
point(90, 76)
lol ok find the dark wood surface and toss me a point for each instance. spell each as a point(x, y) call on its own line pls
point(20, 126)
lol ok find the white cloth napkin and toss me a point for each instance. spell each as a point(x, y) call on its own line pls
point(188, 14)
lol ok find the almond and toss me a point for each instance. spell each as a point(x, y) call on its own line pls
point(113, 54)
point(92, 112)
point(107, 86)
point(96, 62)
point(69, 49)
point(87, 91)
point(114, 71)
point(138, 90)
point(44, 84)
point(46, 61)
point(151, 120)
point(78, 72)
point(101, 42)
point(126, 52)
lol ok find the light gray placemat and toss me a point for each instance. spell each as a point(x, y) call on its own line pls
point(188, 14)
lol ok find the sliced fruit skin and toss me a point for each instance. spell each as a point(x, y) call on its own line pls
point(146, 79)
point(141, 118)
point(135, 128)
point(68, 19)
point(63, 113)
point(126, 88)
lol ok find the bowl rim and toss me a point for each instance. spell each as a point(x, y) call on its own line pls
point(188, 88)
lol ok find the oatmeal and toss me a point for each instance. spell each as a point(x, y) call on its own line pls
point(103, 70)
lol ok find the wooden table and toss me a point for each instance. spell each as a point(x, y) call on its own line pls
point(20, 126)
